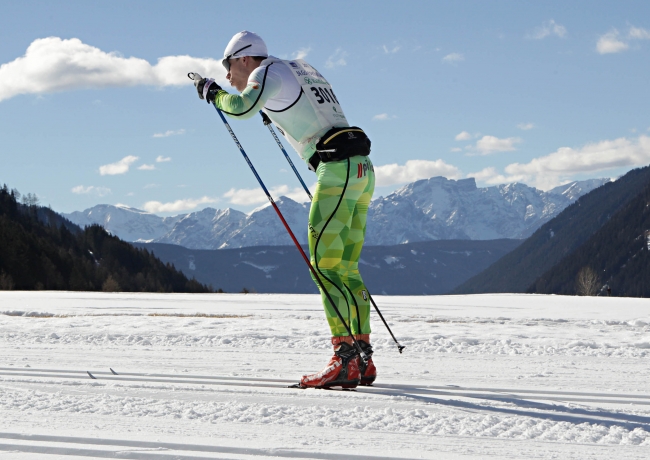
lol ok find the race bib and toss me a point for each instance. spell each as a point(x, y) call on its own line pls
point(319, 93)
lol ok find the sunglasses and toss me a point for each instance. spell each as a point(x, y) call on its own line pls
point(226, 60)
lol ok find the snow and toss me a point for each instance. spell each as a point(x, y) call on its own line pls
point(391, 259)
point(204, 376)
point(265, 268)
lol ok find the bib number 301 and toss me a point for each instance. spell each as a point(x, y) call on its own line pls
point(324, 94)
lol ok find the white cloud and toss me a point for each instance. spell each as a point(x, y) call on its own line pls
point(383, 117)
point(612, 42)
point(301, 53)
point(598, 156)
point(414, 170)
point(525, 126)
point(245, 196)
point(298, 194)
point(548, 28)
point(456, 149)
point(54, 64)
point(249, 196)
point(464, 136)
point(609, 43)
point(392, 50)
point(484, 174)
point(491, 144)
point(556, 168)
point(162, 159)
point(639, 33)
point(91, 190)
point(336, 59)
point(490, 176)
point(147, 167)
point(453, 57)
point(177, 132)
point(119, 167)
point(176, 206)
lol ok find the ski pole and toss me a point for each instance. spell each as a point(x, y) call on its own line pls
point(267, 121)
point(364, 357)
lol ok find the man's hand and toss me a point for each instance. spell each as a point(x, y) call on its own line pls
point(207, 89)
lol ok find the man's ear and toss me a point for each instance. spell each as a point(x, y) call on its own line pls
point(245, 60)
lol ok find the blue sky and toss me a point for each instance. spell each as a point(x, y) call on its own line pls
point(95, 106)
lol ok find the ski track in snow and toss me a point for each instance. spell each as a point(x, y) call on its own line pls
point(358, 417)
point(528, 342)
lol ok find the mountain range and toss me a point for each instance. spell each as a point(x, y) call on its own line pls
point(549, 260)
point(425, 210)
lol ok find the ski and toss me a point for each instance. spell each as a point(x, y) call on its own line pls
point(334, 388)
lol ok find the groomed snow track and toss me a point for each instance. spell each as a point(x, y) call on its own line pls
point(49, 445)
point(451, 395)
point(503, 394)
point(499, 377)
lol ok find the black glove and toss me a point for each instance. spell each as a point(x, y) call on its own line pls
point(207, 89)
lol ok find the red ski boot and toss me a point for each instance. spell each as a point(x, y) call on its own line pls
point(367, 370)
point(342, 369)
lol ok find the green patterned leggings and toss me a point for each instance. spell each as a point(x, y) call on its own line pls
point(337, 228)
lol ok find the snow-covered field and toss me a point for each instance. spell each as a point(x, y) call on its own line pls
point(204, 376)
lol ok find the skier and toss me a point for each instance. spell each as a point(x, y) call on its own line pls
point(302, 104)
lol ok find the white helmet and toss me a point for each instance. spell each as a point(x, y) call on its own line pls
point(244, 43)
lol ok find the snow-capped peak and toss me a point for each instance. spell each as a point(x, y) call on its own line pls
point(428, 209)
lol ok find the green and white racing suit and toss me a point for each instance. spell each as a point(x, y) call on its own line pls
point(302, 104)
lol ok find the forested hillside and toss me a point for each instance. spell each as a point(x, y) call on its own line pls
point(422, 268)
point(518, 270)
point(40, 250)
point(618, 255)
